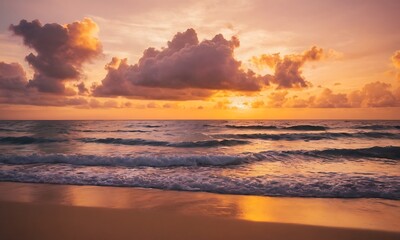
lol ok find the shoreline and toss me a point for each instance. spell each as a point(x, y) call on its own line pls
point(43, 211)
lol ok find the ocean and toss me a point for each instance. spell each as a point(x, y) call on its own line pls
point(296, 158)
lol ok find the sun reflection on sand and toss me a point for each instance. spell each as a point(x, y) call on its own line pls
point(87, 197)
point(352, 213)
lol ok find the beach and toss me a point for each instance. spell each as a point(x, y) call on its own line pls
point(43, 211)
point(200, 120)
point(200, 180)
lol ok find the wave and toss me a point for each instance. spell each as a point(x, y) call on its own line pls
point(377, 127)
point(11, 130)
point(28, 140)
point(389, 152)
point(227, 139)
point(80, 130)
point(307, 128)
point(311, 136)
point(122, 141)
point(296, 185)
point(271, 127)
point(144, 142)
point(6, 130)
point(175, 160)
point(106, 131)
point(152, 126)
point(316, 184)
point(128, 161)
point(255, 127)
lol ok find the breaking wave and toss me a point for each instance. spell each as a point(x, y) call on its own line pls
point(144, 142)
point(255, 127)
point(311, 136)
point(29, 140)
point(377, 127)
point(389, 152)
point(115, 131)
point(323, 184)
point(271, 127)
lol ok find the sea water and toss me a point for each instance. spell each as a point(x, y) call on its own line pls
point(297, 158)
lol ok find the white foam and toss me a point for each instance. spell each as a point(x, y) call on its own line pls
point(129, 161)
point(326, 184)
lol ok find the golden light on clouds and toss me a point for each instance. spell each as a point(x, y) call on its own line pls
point(396, 59)
point(84, 34)
point(207, 63)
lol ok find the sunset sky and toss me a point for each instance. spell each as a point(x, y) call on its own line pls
point(154, 59)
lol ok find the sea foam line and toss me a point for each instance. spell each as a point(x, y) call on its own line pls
point(389, 153)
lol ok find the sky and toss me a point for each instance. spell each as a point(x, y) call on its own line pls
point(212, 59)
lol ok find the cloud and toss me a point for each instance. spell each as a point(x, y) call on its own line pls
point(396, 59)
point(288, 69)
point(328, 99)
point(375, 94)
point(186, 66)
point(223, 104)
point(277, 99)
point(82, 89)
point(116, 84)
point(14, 90)
point(61, 50)
point(171, 105)
point(153, 105)
point(12, 77)
point(257, 104)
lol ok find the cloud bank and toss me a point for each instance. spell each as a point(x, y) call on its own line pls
point(186, 69)
point(375, 94)
point(14, 90)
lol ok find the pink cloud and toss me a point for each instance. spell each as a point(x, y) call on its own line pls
point(375, 94)
point(185, 65)
point(288, 69)
point(60, 51)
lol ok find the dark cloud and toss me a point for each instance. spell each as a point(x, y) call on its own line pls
point(61, 50)
point(60, 53)
point(12, 77)
point(186, 65)
point(82, 89)
point(288, 69)
point(117, 84)
point(14, 90)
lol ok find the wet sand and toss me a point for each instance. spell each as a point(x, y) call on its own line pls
point(42, 211)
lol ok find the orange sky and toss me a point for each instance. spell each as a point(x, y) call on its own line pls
point(200, 60)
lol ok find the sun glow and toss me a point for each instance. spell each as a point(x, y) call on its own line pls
point(239, 103)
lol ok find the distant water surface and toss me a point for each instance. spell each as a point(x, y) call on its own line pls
point(342, 159)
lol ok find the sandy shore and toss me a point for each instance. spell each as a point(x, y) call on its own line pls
point(40, 211)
